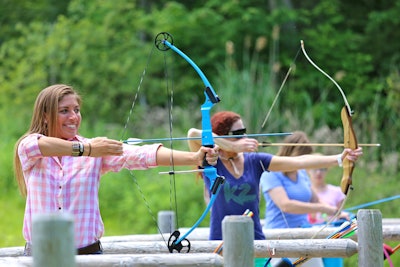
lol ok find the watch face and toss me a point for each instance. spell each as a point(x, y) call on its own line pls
point(81, 148)
point(75, 149)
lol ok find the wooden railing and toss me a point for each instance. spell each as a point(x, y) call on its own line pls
point(150, 250)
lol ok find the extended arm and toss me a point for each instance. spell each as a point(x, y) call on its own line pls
point(100, 146)
point(185, 157)
point(280, 198)
point(286, 164)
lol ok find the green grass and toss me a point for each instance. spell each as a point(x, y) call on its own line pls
point(11, 214)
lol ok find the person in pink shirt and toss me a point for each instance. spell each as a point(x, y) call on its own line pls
point(331, 195)
point(58, 170)
point(327, 193)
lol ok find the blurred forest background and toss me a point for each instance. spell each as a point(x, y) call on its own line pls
point(105, 48)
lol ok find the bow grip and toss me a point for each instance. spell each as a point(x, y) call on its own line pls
point(350, 141)
point(205, 163)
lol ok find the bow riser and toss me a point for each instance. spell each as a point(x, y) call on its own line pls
point(206, 136)
point(350, 141)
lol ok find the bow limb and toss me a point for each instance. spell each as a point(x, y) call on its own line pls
point(329, 77)
point(163, 41)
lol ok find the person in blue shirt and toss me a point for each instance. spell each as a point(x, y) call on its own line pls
point(289, 196)
point(242, 169)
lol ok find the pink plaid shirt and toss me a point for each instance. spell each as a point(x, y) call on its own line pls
point(72, 185)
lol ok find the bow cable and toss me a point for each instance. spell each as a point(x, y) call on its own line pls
point(124, 132)
point(172, 180)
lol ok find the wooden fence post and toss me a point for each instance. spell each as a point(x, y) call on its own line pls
point(53, 240)
point(370, 238)
point(166, 221)
point(238, 237)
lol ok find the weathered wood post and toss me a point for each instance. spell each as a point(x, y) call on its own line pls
point(370, 238)
point(238, 237)
point(53, 240)
point(166, 221)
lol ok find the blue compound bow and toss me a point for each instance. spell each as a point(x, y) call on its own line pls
point(164, 42)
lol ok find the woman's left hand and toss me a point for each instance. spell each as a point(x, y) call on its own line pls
point(351, 154)
point(210, 154)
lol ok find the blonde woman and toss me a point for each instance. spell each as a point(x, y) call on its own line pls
point(59, 171)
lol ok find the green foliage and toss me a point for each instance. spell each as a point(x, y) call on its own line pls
point(14, 12)
point(245, 48)
point(97, 46)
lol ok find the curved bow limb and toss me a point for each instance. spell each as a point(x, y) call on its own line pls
point(329, 77)
point(163, 42)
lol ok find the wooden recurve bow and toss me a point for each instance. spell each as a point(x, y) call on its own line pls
point(350, 140)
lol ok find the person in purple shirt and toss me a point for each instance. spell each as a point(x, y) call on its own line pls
point(242, 169)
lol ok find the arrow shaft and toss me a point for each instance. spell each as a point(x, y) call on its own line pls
point(313, 144)
point(155, 140)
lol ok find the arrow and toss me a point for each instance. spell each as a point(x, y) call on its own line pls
point(135, 141)
point(313, 144)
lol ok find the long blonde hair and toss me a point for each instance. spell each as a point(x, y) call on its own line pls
point(44, 121)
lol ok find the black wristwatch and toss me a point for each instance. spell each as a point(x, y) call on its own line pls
point(77, 149)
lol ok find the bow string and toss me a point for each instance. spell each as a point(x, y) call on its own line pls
point(176, 242)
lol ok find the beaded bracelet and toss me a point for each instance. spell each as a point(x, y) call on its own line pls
point(90, 150)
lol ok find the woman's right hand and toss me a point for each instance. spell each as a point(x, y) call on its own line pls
point(245, 145)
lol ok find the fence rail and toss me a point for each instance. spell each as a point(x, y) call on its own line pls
point(151, 250)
